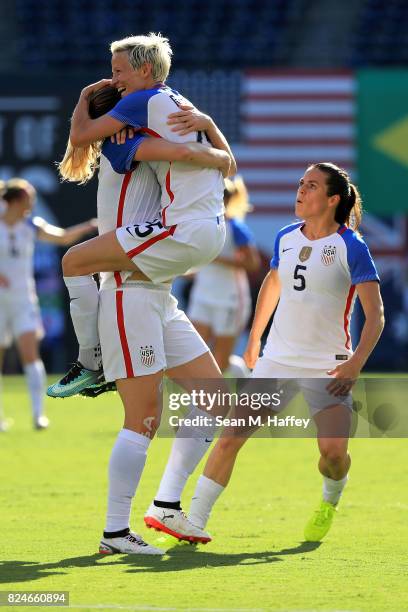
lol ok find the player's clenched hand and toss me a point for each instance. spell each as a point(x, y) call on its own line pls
point(344, 377)
point(252, 353)
point(189, 119)
point(89, 89)
point(120, 137)
point(4, 281)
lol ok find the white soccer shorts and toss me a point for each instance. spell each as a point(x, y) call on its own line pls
point(223, 320)
point(17, 317)
point(162, 253)
point(142, 331)
point(310, 382)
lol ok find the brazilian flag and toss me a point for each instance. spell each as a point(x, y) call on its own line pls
point(382, 129)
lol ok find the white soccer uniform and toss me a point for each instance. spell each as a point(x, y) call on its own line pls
point(19, 311)
point(221, 297)
point(310, 332)
point(141, 329)
point(191, 232)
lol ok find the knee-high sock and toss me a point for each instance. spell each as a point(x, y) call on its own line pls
point(188, 449)
point(126, 465)
point(84, 301)
point(205, 495)
point(332, 489)
point(35, 375)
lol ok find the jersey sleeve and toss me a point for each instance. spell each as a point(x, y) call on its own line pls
point(285, 230)
point(132, 109)
point(360, 262)
point(275, 257)
point(241, 233)
point(36, 223)
point(121, 156)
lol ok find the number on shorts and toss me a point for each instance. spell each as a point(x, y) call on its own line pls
point(143, 229)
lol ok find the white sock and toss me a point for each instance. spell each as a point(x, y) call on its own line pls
point(332, 489)
point(205, 495)
point(84, 301)
point(126, 465)
point(35, 375)
point(188, 449)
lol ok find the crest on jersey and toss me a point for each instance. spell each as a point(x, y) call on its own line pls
point(147, 356)
point(328, 254)
point(305, 253)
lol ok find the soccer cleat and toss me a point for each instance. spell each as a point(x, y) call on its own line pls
point(174, 523)
point(77, 379)
point(130, 544)
point(98, 389)
point(42, 422)
point(320, 523)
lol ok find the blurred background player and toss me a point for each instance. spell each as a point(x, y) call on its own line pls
point(19, 312)
point(319, 266)
point(220, 301)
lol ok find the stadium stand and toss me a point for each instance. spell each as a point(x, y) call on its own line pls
point(231, 33)
point(382, 34)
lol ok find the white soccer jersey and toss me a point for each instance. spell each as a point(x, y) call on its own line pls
point(124, 199)
point(222, 285)
point(16, 257)
point(188, 192)
point(311, 326)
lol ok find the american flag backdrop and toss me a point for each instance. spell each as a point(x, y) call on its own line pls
point(290, 119)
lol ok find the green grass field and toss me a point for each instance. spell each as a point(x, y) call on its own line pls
point(52, 505)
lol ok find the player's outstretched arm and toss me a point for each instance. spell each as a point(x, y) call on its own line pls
point(266, 303)
point(61, 236)
point(155, 149)
point(84, 130)
point(190, 119)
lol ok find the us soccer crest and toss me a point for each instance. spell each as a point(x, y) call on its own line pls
point(328, 254)
point(305, 253)
point(147, 356)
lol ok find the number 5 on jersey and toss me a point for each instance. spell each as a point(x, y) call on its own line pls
point(300, 278)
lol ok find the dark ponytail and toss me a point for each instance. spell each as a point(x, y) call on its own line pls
point(349, 210)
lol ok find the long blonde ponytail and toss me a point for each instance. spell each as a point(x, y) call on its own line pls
point(79, 163)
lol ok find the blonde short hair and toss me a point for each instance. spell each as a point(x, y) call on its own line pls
point(153, 49)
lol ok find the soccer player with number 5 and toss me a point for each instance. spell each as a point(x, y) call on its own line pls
point(319, 265)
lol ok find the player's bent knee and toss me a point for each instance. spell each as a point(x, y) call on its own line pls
point(71, 265)
point(230, 445)
point(334, 454)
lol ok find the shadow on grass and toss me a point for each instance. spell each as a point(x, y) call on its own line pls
point(177, 559)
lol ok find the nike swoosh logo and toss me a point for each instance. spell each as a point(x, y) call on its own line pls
point(72, 299)
point(289, 249)
point(208, 440)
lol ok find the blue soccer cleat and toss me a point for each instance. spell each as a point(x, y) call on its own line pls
point(77, 379)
